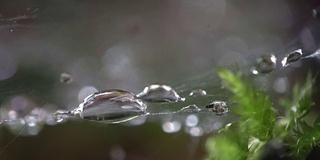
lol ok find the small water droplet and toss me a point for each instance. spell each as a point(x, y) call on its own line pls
point(190, 108)
point(218, 107)
point(264, 64)
point(292, 57)
point(198, 93)
point(66, 78)
point(159, 93)
point(61, 115)
point(111, 106)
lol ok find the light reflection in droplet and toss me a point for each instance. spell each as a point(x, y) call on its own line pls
point(191, 120)
point(171, 127)
point(138, 121)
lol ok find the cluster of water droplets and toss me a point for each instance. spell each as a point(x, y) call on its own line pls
point(268, 63)
point(116, 106)
point(21, 116)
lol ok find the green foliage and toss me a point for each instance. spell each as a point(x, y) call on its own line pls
point(246, 138)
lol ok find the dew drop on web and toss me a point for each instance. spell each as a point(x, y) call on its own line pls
point(218, 107)
point(291, 57)
point(190, 108)
point(111, 106)
point(264, 64)
point(159, 93)
point(66, 78)
point(198, 93)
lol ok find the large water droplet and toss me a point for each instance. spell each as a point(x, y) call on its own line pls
point(292, 57)
point(218, 107)
point(111, 106)
point(198, 93)
point(159, 93)
point(264, 64)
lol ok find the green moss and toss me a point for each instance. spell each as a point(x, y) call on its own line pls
point(246, 138)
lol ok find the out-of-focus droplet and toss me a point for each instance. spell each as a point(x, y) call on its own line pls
point(192, 120)
point(190, 108)
point(31, 121)
point(159, 93)
point(196, 131)
point(218, 107)
point(111, 106)
point(117, 153)
point(198, 93)
point(264, 64)
point(292, 57)
point(66, 78)
point(280, 85)
point(171, 127)
point(316, 13)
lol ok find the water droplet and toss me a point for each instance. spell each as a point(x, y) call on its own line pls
point(292, 57)
point(61, 115)
point(218, 107)
point(190, 108)
point(111, 106)
point(159, 93)
point(264, 64)
point(198, 93)
point(66, 78)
